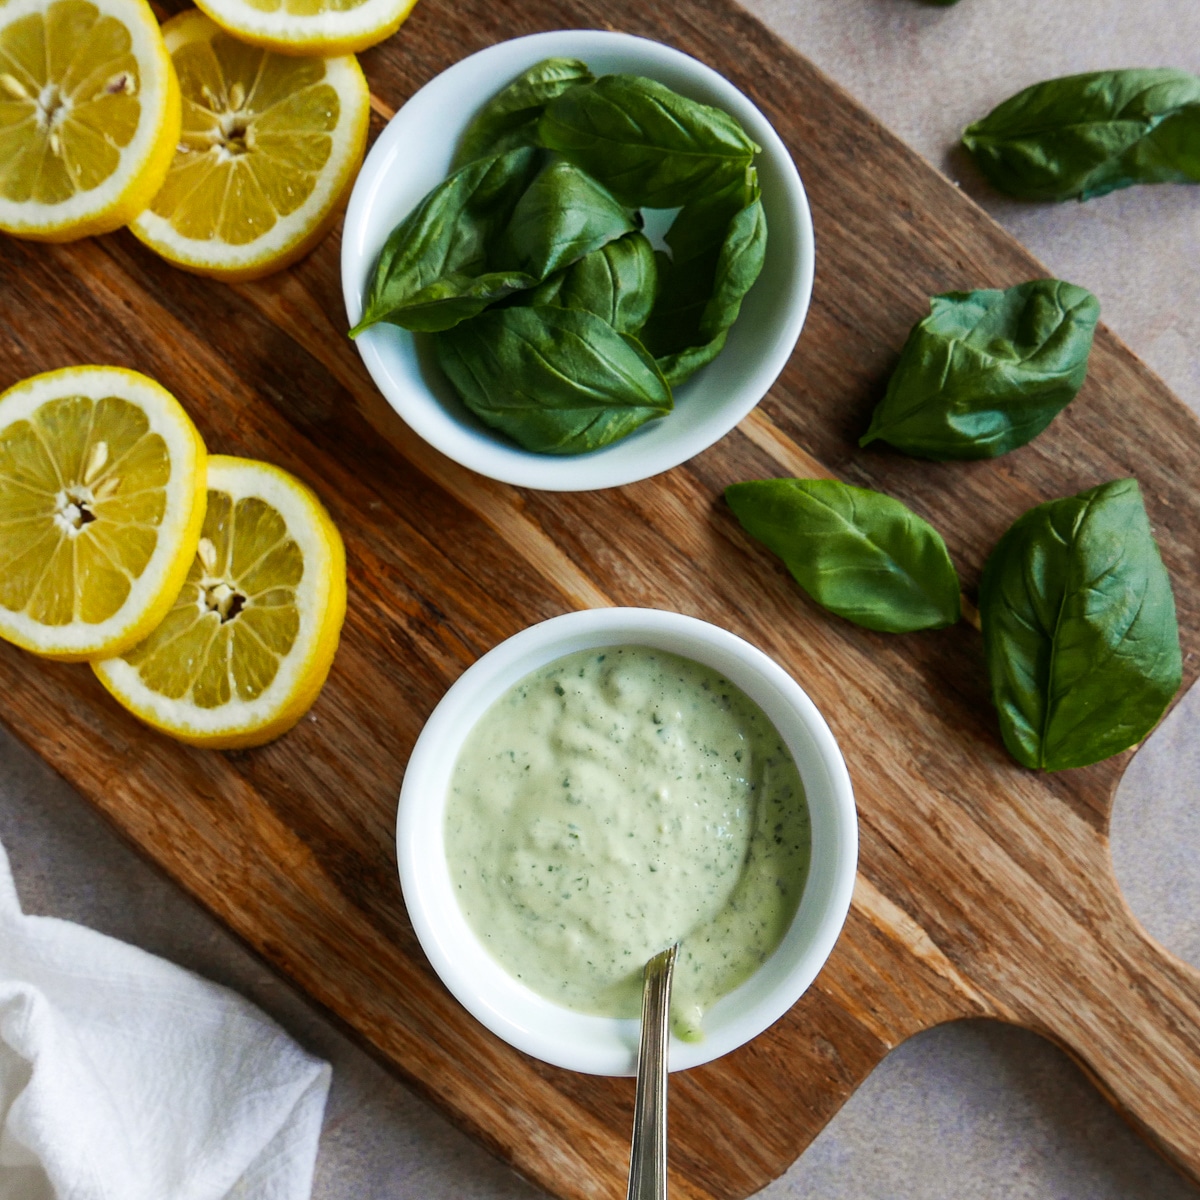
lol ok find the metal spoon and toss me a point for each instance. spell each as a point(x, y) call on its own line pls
point(648, 1154)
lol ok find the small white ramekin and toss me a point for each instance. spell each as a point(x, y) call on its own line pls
point(606, 1045)
point(413, 154)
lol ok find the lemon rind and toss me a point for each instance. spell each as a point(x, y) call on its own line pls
point(321, 601)
point(153, 592)
point(293, 236)
point(328, 33)
point(144, 162)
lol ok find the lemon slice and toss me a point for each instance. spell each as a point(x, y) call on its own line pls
point(101, 500)
point(310, 26)
point(89, 115)
point(247, 646)
point(268, 153)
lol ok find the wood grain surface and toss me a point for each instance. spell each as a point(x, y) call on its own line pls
point(984, 889)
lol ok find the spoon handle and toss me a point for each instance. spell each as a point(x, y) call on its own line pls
point(648, 1155)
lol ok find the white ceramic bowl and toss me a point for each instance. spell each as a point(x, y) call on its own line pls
point(606, 1045)
point(413, 154)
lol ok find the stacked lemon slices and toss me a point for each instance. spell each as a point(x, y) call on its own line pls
point(228, 142)
point(207, 592)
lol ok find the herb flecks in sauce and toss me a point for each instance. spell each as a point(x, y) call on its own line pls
point(614, 801)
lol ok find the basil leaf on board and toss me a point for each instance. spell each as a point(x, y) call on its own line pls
point(563, 215)
point(718, 246)
point(617, 282)
point(1079, 629)
point(858, 553)
point(647, 144)
point(510, 117)
point(556, 380)
point(987, 371)
point(434, 270)
point(1086, 135)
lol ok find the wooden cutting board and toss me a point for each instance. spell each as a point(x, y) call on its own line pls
point(984, 890)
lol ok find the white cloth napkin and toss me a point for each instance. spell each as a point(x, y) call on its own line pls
point(123, 1077)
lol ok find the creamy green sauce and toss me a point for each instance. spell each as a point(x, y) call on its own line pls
point(617, 800)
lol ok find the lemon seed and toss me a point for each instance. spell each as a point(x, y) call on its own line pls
point(14, 87)
point(208, 555)
point(96, 459)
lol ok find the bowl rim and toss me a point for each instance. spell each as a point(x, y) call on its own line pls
point(486, 451)
point(534, 1024)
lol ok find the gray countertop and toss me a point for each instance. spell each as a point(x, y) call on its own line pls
point(971, 1111)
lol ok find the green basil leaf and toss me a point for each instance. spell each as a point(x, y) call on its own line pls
point(454, 298)
point(1079, 629)
point(549, 290)
point(647, 144)
point(434, 269)
point(510, 117)
point(700, 227)
point(987, 371)
point(563, 215)
point(1086, 135)
point(617, 282)
point(556, 380)
point(679, 367)
point(858, 553)
point(718, 247)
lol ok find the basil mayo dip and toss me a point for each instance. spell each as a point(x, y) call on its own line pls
point(617, 800)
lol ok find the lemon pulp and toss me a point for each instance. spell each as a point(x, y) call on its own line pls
point(236, 618)
point(83, 484)
point(257, 132)
point(66, 114)
point(304, 8)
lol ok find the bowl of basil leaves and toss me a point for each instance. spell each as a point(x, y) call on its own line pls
point(555, 260)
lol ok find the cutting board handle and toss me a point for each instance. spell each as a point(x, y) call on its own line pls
point(1131, 1018)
